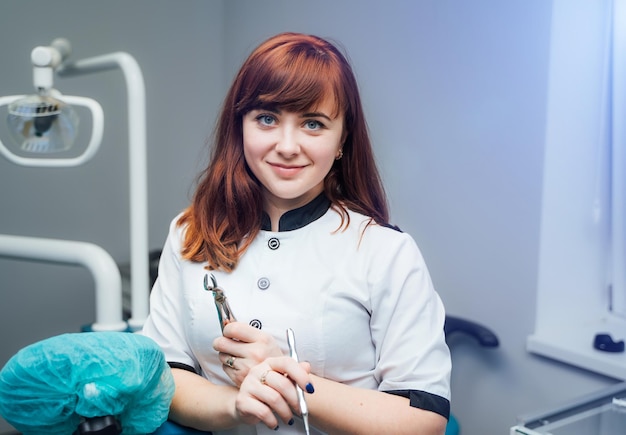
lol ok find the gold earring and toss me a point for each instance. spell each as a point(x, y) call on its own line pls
point(340, 155)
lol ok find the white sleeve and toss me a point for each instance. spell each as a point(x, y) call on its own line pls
point(168, 318)
point(407, 321)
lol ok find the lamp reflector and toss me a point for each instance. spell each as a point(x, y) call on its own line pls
point(42, 124)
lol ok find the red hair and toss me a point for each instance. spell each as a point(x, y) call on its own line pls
point(291, 72)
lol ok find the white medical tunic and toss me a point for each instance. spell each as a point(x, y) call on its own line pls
point(360, 301)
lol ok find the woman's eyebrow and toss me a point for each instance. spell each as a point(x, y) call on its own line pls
point(268, 108)
point(315, 115)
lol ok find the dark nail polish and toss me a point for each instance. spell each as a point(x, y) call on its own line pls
point(277, 427)
point(309, 388)
point(291, 422)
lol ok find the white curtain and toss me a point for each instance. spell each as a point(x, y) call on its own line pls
point(616, 138)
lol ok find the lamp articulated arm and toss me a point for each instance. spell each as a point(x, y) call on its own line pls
point(95, 259)
point(136, 99)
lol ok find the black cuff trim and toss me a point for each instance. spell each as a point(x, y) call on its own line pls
point(426, 401)
point(177, 365)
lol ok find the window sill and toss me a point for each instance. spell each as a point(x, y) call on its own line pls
point(573, 344)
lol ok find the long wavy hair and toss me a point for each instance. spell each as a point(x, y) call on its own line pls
point(292, 72)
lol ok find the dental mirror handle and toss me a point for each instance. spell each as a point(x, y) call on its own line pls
point(304, 410)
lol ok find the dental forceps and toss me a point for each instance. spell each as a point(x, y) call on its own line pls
point(224, 313)
point(304, 410)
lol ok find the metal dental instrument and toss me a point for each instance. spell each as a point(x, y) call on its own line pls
point(304, 410)
point(224, 313)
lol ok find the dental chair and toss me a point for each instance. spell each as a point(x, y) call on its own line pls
point(484, 337)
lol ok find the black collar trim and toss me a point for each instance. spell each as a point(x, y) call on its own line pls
point(299, 217)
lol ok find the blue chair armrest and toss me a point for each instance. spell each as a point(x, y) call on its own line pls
point(171, 428)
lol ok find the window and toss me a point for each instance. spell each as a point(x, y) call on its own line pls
point(582, 271)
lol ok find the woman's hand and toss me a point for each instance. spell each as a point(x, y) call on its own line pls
point(242, 347)
point(268, 391)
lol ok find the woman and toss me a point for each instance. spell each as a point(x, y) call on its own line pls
point(291, 219)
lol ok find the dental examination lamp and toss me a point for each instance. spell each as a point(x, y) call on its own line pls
point(45, 125)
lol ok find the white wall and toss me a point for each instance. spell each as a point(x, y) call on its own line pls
point(455, 93)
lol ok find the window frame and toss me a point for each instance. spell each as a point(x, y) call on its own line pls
point(575, 297)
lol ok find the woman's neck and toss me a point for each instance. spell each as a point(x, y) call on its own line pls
point(274, 215)
point(276, 207)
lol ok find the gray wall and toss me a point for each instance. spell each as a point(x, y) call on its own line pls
point(455, 93)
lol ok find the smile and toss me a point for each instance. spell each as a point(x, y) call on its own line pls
point(286, 170)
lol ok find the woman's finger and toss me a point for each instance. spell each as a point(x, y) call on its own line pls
point(262, 397)
point(228, 360)
point(284, 374)
point(236, 368)
point(297, 372)
point(252, 411)
point(242, 332)
point(275, 392)
point(248, 353)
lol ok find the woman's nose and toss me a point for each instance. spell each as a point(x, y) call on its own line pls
point(287, 143)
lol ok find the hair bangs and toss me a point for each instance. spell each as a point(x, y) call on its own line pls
point(298, 80)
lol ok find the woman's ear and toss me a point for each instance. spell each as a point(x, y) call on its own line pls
point(344, 136)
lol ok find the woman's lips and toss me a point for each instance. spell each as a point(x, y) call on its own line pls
point(286, 170)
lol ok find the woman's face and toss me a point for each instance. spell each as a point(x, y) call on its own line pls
point(291, 153)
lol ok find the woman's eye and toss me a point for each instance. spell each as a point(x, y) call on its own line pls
point(313, 125)
point(265, 119)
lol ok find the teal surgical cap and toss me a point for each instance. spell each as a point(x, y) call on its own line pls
point(47, 387)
